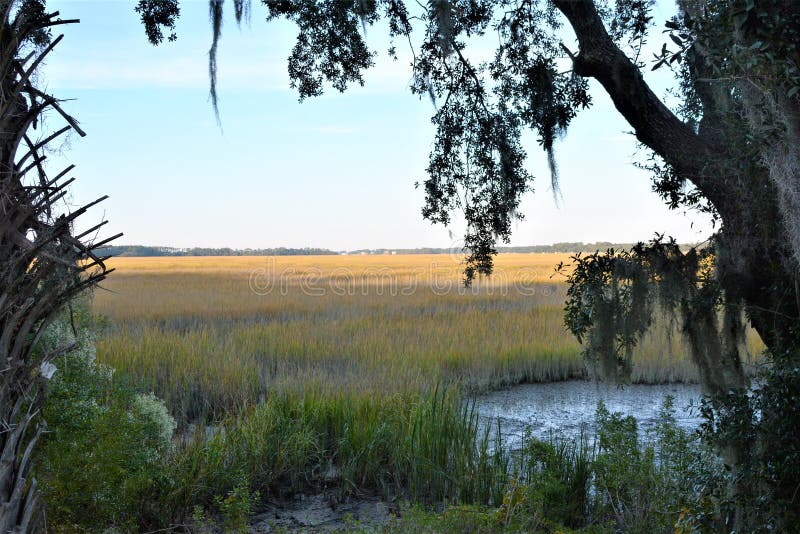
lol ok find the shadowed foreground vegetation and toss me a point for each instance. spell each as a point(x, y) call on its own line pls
point(109, 460)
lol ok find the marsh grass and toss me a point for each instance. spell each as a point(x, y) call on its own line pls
point(416, 447)
point(308, 387)
point(431, 450)
point(608, 482)
point(216, 335)
point(422, 447)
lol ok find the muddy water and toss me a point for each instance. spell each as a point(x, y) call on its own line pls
point(562, 409)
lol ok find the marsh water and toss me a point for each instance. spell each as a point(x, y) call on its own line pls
point(564, 409)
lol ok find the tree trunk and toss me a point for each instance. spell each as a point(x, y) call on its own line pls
point(756, 266)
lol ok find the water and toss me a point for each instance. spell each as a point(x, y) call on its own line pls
point(562, 409)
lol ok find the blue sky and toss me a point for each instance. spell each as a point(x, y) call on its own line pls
point(335, 172)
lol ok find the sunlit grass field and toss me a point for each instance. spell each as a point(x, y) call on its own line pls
point(213, 334)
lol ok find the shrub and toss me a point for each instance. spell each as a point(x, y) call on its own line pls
point(237, 505)
point(760, 489)
point(558, 475)
point(615, 480)
point(100, 456)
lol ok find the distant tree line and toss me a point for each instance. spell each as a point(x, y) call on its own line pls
point(144, 251)
point(567, 248)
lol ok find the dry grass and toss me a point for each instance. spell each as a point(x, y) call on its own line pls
point(212, 334)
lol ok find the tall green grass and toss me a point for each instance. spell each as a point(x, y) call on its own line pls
point(432, 450)
point(428, 448)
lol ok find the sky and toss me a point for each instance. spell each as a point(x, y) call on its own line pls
point(336, 171)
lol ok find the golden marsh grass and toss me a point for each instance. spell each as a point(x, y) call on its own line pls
point(211, 334)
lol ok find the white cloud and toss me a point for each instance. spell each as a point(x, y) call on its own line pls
point(167, 73)
point(110, 73)
point(233, 74)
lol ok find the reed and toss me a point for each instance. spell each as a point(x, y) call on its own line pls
point(215, 335)
point(420, 446)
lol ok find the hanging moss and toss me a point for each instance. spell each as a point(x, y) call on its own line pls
point(613, 296)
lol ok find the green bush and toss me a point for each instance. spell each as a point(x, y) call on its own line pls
point(101, 455)
point(612, 481)
point(557, 477)
point(237, 506)
point(760, 489)
point(650, 485)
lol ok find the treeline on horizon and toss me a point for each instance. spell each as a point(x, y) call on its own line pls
point(556, 247)
point(146, 251)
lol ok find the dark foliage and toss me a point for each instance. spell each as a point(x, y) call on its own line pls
point(159, 18)
point(764, 426)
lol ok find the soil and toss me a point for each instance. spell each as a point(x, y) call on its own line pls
point(322, 513)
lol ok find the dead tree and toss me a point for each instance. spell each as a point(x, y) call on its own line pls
point(43, 263)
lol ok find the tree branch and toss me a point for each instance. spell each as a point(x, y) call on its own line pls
point(654, 124)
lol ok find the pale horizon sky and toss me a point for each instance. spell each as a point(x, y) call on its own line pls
point(334, 172)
